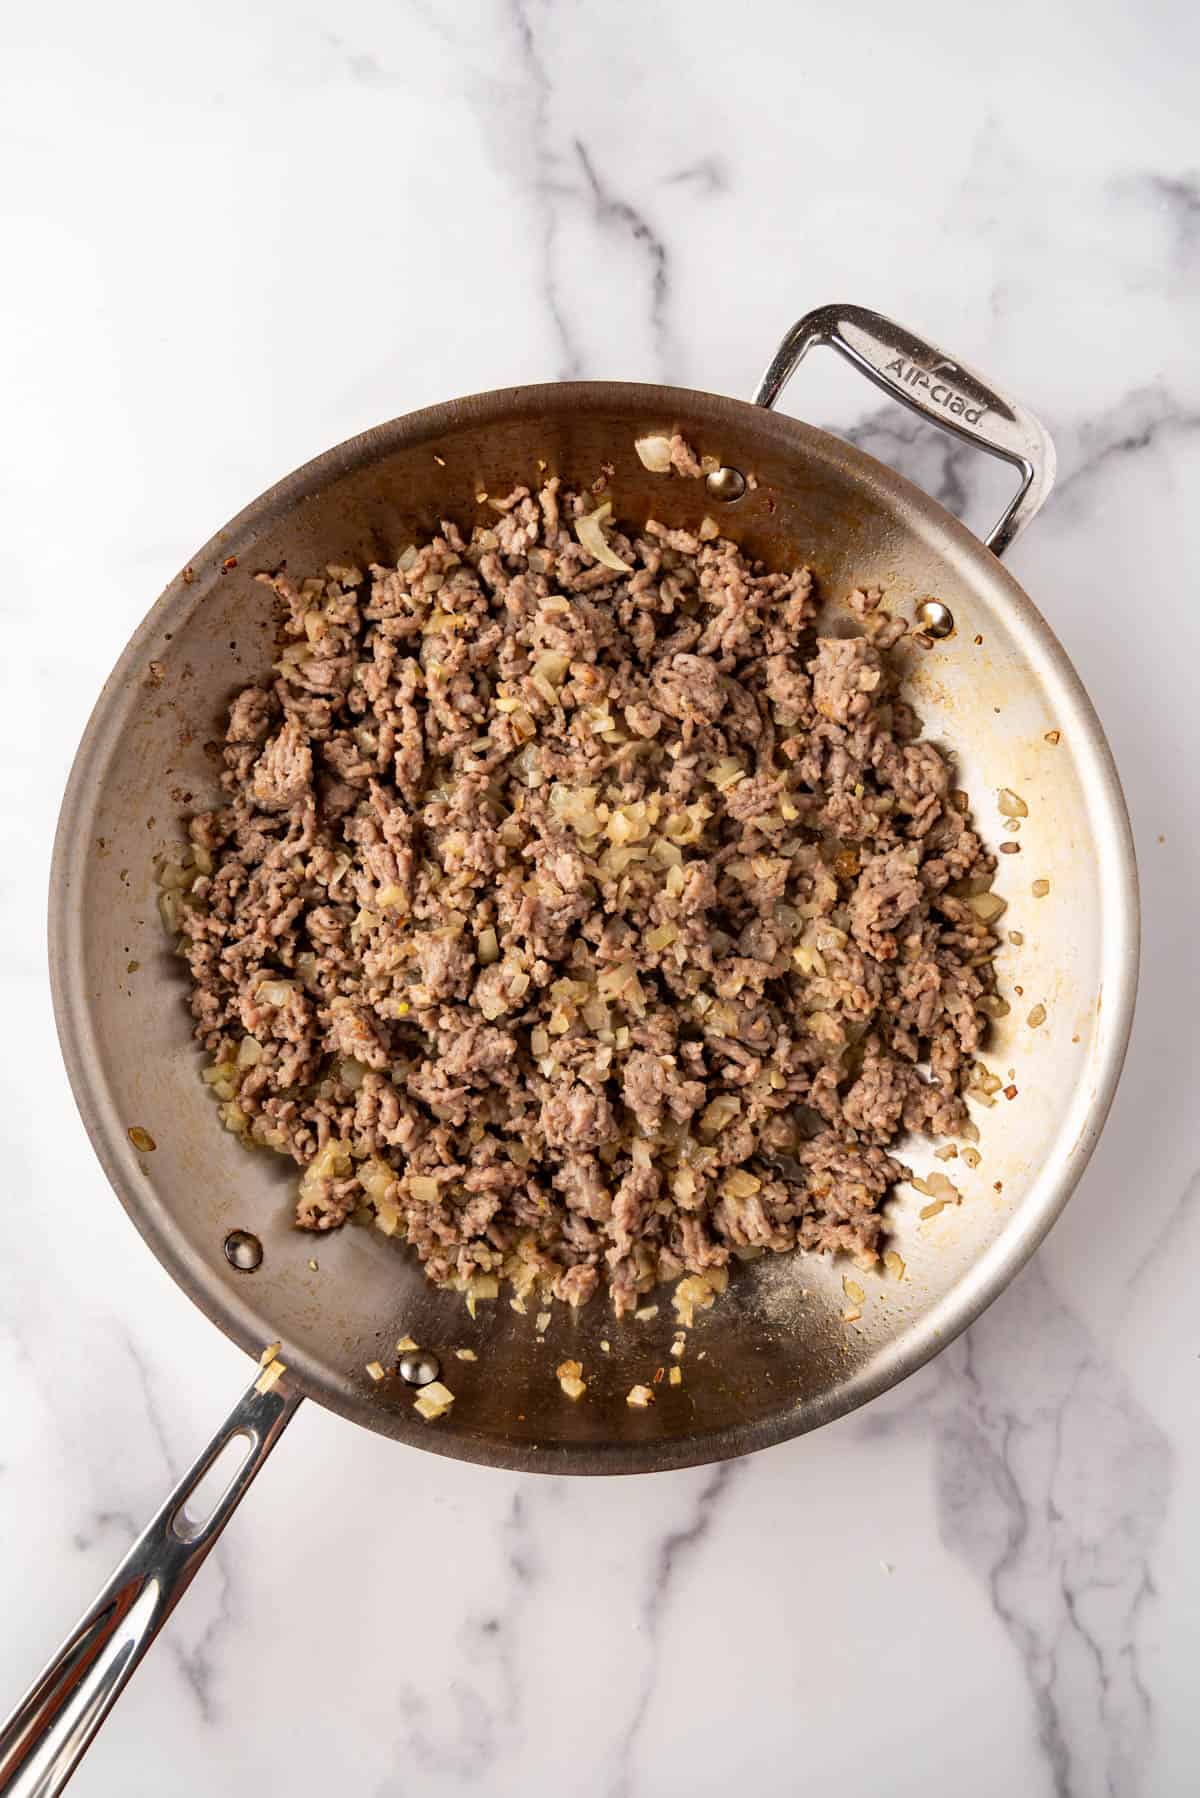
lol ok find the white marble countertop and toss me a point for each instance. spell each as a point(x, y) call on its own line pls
point(235, 235)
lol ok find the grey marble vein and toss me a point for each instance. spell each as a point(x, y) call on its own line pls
point(368, 68)
point(614, 214)
point(672, 1555)
point(547, 187)
point(1167, 1237)
point(1052, 1484)
point(710, 175)
point(1146, 418)
point(485, 1690)
point(932, 458)
point(100, 1522)
point(555, 168)
point(363, 66)
point(464, 1750)
point(953, 470)
point(196, 1659)
point(1178, 195)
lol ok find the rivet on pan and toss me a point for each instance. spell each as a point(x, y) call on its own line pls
point(726, 483)
point(419, 1367)
point(935, 619)
point(243, 1251)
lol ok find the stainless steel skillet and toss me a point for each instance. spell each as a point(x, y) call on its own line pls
point(775, 1358)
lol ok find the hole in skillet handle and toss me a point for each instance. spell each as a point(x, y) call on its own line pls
point(203, 1501)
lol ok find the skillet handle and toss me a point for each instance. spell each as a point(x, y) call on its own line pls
point(944, 391)
point(46, 1736)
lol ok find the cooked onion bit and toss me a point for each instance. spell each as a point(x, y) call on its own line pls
point(589, 528)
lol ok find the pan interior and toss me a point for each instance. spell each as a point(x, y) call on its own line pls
point(776, 1355)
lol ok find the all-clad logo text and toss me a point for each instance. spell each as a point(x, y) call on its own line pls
point(938, 391)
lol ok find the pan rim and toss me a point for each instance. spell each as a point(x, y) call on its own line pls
point(987, 1276)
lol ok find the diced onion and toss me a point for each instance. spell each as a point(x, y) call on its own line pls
point(270, 1376)
point(722, 1111)
point(433, 1401)
point(569, 1378)
point(376, 1180)
point(987, 906)
point(275, 992)
point(696, 1293)
point(487, 947)
point(654, 453)
point(589, 530)
point(726, 773)
point(937, 1186)
point(551, 666)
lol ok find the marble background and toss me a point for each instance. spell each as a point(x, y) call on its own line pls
point(236, 234)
